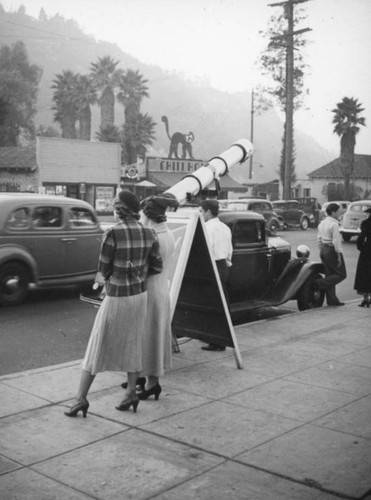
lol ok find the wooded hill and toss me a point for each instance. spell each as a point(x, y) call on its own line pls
point(216, 118)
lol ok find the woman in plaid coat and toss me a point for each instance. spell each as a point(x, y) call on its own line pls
point(129, 252)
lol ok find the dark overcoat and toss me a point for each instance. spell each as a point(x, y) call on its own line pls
point(362, 281)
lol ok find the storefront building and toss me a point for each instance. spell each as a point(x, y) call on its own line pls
point(86, 170)
point(18, 169)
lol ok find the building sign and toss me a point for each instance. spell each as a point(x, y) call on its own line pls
point(172, 165)
point(104, 196)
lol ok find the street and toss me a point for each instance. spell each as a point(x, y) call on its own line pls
point(53, 326)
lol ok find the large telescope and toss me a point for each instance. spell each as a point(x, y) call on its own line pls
point(192, 184)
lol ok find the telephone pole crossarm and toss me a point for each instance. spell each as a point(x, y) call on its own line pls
point(298, 32)
point(278, 4)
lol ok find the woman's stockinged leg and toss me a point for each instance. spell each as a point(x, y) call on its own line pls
point(85, 383)
point(152, 381)
point(132, 383)
point(82, 403)
point(131, 399)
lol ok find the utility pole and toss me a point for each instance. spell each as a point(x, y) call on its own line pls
point(251, 130)
point(288, 36)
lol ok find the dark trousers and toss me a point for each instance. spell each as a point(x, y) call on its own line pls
point(222, 267)
point(223, 274)
point(334, 273)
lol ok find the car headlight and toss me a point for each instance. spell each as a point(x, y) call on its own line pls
point(302, 252)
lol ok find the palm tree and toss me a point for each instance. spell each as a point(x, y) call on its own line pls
point(347, 125)
point(65, 106)
point(133, 88)
point(85, 94)
point(111, 133)
point(106, 77)
point(138, 134)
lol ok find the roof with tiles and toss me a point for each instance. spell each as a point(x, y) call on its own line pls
point(18, 158)
point(362, 168)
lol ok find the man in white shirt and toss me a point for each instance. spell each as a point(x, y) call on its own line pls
point(331, 254)
point(220, 239)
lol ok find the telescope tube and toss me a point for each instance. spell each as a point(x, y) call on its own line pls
point(216, 167)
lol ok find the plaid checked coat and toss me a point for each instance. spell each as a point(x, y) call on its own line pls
point(129, 252)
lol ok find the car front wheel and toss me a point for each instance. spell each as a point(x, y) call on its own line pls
point(309, 295)
point(273, 226)
point(14, 281)
point(304, 224)
point(346, 236)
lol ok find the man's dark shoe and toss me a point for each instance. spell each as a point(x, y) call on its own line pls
point(337, 304)
point(213, 347)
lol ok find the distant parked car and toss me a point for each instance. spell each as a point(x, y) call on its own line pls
point(353, 217)
point(291, 214)
point(47, 241)
point(311, 208)
point(259, 205)
point(343, 207)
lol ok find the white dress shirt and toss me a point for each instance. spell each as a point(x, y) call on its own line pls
point(220, 239)
point(329, 234)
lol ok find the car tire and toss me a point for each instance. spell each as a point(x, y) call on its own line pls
point(304, 224)
point(14, 281)
point(273, 226)
point(309, 295)
point(346, 236)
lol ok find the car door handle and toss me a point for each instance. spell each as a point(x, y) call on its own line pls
point(69, 240)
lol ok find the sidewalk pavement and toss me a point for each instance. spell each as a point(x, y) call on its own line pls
point(294, 424)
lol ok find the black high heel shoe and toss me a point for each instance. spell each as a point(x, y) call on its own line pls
point(364, 303)
point(74, 410)
point(126, 404)
point(155, 390)
point(141, 382)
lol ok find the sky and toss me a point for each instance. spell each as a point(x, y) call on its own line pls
point(219, 41)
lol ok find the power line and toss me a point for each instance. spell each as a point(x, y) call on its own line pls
point(55, 36)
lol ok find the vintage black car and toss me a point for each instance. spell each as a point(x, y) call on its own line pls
point(261, 206)
point(291, 214)
point(263, 271)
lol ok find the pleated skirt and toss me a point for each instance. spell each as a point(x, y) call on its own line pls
point(157, 343)
point(116, 339)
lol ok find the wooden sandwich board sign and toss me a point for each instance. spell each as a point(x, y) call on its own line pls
point(199, 309)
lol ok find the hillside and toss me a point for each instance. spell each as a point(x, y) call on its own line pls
point(216, 118)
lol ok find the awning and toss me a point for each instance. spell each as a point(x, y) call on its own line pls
point(145, 184)
point(166, 180)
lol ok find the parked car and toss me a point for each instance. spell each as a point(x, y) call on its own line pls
point(311, 208)
point(291, 214)
point(343, 207)
point(352, 219)
point(261, 206)
point(263, 271)
point(46, 241)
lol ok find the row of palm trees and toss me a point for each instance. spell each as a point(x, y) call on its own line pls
point(74, 94)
